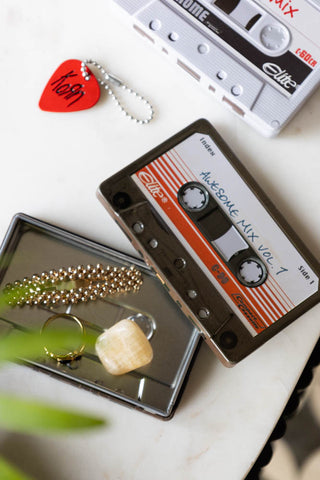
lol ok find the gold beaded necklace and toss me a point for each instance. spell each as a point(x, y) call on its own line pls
point(77, 284)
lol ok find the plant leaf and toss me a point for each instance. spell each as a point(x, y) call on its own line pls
point(28, 345)
point(8, 472)
point(15, 294)
point(3, 300)
point(29, 416)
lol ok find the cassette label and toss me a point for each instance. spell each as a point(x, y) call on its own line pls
point(221, 248)
point(284, 287)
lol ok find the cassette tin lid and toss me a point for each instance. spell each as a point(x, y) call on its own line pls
point(260, 58)
point(221, 248)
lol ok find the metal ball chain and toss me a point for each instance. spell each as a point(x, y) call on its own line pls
point(108, 77)
point(92, 282)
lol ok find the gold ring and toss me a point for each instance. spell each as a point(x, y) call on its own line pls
point(74, 353)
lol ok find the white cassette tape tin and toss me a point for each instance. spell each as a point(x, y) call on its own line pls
point(260, 58)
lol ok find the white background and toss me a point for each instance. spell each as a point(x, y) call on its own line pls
point(51, 166)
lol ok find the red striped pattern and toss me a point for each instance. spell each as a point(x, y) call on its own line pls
point(266, 303)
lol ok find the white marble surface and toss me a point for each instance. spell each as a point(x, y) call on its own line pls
point(51, 167)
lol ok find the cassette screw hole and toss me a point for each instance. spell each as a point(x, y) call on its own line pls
point(192, 294)
point(121, 200)
point(153, 243)
point(203, 313)
point(155, 25)
point(173, 36)
point(237, 90)
point(222, 75)
point(203, 48)
point(228, 340)
point(138, 227)
point(180, 263)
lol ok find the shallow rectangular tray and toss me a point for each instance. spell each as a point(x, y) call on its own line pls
point(32, 246)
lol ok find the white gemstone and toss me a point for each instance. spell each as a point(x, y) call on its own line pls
point(123, 348)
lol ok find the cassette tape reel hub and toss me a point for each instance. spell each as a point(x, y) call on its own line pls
point(193, 196)
point(275, 37)
point(221, 249)
point(252, 272)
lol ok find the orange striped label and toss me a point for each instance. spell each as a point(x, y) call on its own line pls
point(160, 181)
point(257, 307)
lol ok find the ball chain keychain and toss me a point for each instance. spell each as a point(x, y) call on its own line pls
point(74, 87)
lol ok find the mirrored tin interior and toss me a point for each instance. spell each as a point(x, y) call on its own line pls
point(32, 246)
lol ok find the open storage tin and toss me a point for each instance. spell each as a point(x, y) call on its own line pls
point(32, 246)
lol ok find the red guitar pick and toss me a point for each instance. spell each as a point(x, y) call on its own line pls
point(68, 91)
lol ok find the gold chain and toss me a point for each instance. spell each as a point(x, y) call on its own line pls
point(87, 283)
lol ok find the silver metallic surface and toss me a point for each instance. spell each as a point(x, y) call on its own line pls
point(31, 245)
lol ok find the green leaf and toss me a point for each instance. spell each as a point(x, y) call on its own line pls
point(8, 472)
point(22, 415)
point(3, 301)
point(12, 295)
point(28, 345)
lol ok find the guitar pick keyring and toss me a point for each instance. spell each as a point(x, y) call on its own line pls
point(74, 87)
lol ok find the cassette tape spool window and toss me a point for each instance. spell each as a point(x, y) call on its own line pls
point(262, 28)
point(222, 234)
point(242, 11)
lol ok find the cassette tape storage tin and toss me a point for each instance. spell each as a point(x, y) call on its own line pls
point(219, 246)
point(260, 58)
point(32, 246)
